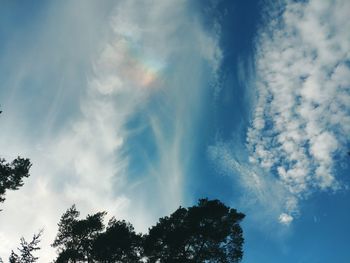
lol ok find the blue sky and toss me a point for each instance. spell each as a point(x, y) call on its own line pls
point(137, 107)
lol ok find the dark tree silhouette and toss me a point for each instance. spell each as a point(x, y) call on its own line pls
point(14, 258)
point(26, 250)
point(11, 178)
point(119, 243)
point(12, 174)
point(75, 237)
point(208, 232)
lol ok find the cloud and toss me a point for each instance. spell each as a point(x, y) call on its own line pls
point(285, 219)
point(301, 121)
point(261, 196)
point(75, 127)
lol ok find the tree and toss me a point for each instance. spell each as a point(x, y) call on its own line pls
point(208, 232)
point(75, 237)
point(12, 174)
point(26, 250)
point(14, 258)
point(11, 178)
point(86, 240)
point(119, 243)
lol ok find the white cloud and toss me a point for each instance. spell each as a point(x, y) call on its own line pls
point(262, 197)
point(285, 219)
point(298, 61)
point(302, 110)
point(84, 158)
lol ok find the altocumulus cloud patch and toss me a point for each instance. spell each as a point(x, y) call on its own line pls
point(301, 120)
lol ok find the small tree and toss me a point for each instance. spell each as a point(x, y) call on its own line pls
point(26, 250)
point(12, 174)
point(11, 178)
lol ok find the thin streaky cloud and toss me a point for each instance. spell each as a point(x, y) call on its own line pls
point(86, 160)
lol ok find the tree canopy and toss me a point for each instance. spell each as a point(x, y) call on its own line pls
point(119, 243)
point(76, 236)
point(11, 178)
point(12, 174)
point(26, 250)
point(207, 232)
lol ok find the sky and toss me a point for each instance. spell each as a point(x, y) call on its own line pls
point(137, 107)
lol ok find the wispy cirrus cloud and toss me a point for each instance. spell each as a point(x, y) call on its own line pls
point(301, 121)
point(154, 66)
